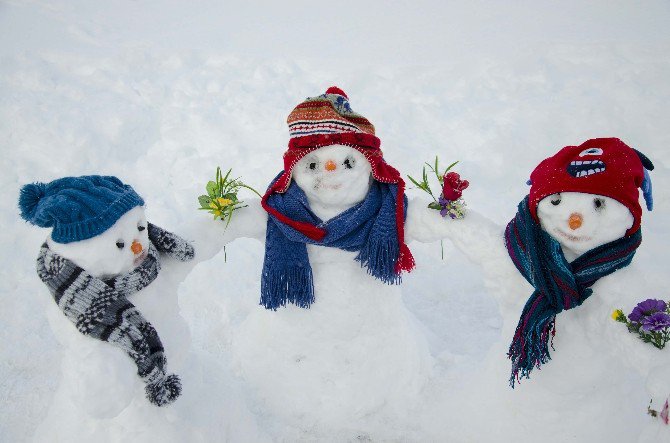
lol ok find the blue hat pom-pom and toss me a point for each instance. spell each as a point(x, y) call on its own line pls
point(29, 197)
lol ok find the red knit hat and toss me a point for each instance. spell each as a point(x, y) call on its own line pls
point(601, 166)
point(329, 120)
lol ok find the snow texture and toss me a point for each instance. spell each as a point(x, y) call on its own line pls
point(159, 94)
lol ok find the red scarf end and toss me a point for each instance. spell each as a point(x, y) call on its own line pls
point(405, 260)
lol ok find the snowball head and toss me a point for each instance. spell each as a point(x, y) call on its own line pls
point(581, 222)
point(334, 176)
point(112, 252)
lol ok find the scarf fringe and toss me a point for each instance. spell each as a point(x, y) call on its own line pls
point(380, 256)
point(530, 346)
point(282, 286)
point(405, 260)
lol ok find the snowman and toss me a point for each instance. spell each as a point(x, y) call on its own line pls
point(335, 342)
point(102, 251)
point(579, 223)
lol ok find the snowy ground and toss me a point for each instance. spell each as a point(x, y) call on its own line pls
point(160, 94)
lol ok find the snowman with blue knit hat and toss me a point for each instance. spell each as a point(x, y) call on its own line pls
point(101, 251)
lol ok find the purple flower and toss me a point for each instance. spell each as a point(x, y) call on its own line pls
point(656, 322)
point(646, 308)
point(444, 203)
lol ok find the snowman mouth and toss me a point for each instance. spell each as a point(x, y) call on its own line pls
point(140, 258)
point(331, 187)
point(583, 168)
point(574, 238)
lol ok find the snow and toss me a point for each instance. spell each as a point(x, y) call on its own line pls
point(159, 94)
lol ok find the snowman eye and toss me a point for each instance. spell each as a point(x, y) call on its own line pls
point(141, 228)
point(591, 151)
point(599, 204)
point(120, 244)
point(349, 162)
point(556, 200)
point(312, 164)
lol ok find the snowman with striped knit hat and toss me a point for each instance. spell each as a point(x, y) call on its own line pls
point(335, 223)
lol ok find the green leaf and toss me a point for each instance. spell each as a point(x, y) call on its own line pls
point(416, 183)
point(427, 189)
point(436, 169)
point(251, 189)
point(211, 188)
point(204, 201)
point(227, 174)
point(450, 166)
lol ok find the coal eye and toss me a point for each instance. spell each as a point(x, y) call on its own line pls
point(141, 228)
point(349, 163)
point(312, 166)
point(120, 244)
point(556, 200)
point(599, 204)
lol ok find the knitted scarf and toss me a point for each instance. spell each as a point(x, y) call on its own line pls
point(100, 308)
point(368, 228)
point(558, 284)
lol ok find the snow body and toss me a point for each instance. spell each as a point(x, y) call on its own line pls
point(97, 380)
point(357, 352)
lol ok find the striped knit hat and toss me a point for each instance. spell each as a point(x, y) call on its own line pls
point(329, 120)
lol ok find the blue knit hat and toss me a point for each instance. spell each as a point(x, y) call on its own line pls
point(77, 208)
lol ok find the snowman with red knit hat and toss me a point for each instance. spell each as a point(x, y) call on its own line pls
point(579, 225)
point(335, 332)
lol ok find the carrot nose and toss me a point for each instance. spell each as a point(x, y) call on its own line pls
point(575, 221)
point(330, 165)
point(136, 247)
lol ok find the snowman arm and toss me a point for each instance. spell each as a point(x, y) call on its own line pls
point(170, 244)
point(479, 238)
point(210, 236)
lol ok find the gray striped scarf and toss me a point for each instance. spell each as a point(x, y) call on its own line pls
point(100, 308)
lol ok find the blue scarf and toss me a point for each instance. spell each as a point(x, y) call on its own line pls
point(558, 284)
point(368, 228)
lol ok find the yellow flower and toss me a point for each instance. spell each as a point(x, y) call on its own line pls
point(212, 205)
point(617, 314)
point(224, 201)
point(217, 213)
